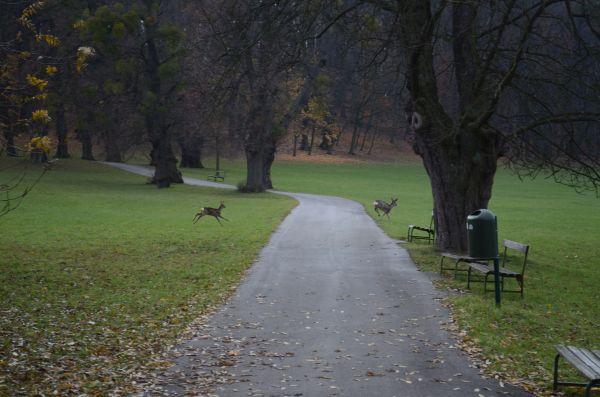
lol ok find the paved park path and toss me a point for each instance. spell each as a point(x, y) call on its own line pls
point(332, 307)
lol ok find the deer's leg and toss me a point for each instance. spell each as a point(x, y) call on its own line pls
point(197, 217)
point(222, 217)
point(217, 218)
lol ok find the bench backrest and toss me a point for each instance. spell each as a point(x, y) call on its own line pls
point(522, 248)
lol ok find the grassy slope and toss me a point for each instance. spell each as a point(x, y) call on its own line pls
point(98, 270)
point(562, 279)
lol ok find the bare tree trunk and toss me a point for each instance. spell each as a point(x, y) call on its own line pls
point(10, 143)
point(366, 133)
point(165, 162)
point(62, 148)
point(354, 140)
point(312, 140)
point(461, 182)
point(295, 144)
point(260, 143)
point(461, 159)
point(84, 136)
point(304, 142)
point(373, 137)
point(234, 122)
point(259, 159)
point(163, 158)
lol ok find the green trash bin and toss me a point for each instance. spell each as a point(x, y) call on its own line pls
point(482, 233)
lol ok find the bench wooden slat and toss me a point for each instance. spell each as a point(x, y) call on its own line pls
point(425, 229)
point(481, 267)
point(592, 360)
point(490, 269)
point(463, 258)
point(581, 362)
point(516, 246)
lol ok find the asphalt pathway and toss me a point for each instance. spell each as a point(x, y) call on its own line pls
point(332, 307)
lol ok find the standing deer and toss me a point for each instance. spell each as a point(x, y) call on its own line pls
point(384, 207)
point(216, 212)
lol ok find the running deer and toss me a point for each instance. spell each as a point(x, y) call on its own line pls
point(216, 212)
point(384, 207)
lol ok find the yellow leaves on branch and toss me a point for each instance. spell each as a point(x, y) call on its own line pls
point(317, 111)
point(42, 143)
point(34, 81)
point(28, 13)
point(39, 97)
point(79, 24)
point(49, 39)
point(32, 9)
point(41, 115)
point(51, 70)
point(24, 55)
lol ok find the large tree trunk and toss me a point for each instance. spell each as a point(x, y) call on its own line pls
point(62, 147)
point(461, 177)
point(11, 150)
point(460, 156)
point(84, 136)
point(259, 159)
point(260, 142)
point(164, 160)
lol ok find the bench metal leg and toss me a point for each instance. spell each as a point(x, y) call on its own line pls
point(469, 278)
point(520, 281)
point(485, 283)
point(588, 386)
point(555, 383)
point(456, 267)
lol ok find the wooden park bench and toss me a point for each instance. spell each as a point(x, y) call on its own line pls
point(456, 258)
point(219, 174)
point(429, 233)
point(587, 362)
point(487, 269)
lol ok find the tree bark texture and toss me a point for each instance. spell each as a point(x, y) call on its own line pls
point(259, 160)
point(164, 160)
point(85, 137)
point(10, 143)
point(62, 147)
point(162, 155)
point(460, 157)
point(261, 142)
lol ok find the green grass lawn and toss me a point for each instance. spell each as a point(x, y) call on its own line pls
point(99, 271)
point(562, 281)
